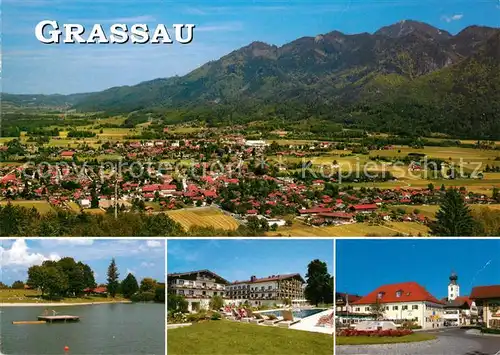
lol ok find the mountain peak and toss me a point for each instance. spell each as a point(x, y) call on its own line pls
point(477, 32)
point(406, 27)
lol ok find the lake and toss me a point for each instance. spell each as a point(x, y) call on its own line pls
point(103, 329)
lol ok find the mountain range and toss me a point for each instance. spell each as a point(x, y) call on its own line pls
point(409, 63)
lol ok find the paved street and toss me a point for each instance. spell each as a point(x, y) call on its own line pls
point(449, 342)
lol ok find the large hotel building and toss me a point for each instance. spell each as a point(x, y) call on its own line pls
point(198, 287)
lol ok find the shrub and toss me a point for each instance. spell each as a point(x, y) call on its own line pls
point(143, 297)
point(272, 316)
point(176, 317)
point(490, 330)
point(177, 303)
point(193, 317)
point(216, 303)
point(216, 316)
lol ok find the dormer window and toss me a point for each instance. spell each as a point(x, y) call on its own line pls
point(380, 295)
point(399, 293)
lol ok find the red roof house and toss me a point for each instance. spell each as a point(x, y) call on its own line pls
point(400, 292)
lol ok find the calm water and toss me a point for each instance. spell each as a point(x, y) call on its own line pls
point(103, 329)
point(303, 313)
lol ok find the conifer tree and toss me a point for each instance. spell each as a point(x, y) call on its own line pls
point(454, 217)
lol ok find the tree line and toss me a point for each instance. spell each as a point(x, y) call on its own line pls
point(68, 278)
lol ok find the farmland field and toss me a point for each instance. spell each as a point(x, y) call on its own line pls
point(203, 217)
point(41, 206)
point(353, 230)
point(429, 211)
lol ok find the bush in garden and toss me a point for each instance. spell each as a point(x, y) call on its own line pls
point(216, 316)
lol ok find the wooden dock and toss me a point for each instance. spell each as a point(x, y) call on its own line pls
point(29, 322)
point(61, 318)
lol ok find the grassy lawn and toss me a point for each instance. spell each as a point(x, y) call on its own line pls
point(41, 206)
point(226, 337)
point(203, 217)
point(33, 296)
point(383, 340)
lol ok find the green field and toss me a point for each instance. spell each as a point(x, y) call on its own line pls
point(33, 296)
point(360, 340)
point(41, 206)
point(226, 337)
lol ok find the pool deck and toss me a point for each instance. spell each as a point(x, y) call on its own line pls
point(309, 323)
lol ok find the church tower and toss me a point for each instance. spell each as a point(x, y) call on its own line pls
point(453, 288)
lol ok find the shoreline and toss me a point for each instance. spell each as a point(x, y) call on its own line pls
point(62, 304)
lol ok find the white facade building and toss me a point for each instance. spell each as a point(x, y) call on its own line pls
point(197, 287)
point(269, 290)
point(255, 143)
point(403, 302)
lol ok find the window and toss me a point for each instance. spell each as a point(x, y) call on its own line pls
point(404, 308)
point(386, 308)
point(357, 309)
point(367, 309)
point(394, 308)
point(415, 306)
point(215, 293)
point(398, 293)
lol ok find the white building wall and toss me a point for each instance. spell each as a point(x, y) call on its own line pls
point(426, 314)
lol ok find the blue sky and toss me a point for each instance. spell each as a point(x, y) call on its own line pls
point(364, 265)
point(221, 26)
point(141, 257)
point(239, 259)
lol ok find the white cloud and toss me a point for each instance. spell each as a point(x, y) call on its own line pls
point(19, 255)
point(452, 18)
point(154, 243)
point(145, 264)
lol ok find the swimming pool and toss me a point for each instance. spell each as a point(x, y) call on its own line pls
point(302, 313)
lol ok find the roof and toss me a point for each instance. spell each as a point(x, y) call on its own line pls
point(337, 215)
point(270, 278)
point(410, 292)
point(190, 273)
point(459, 302)
point(371, 206)
point(484, 292)
point(348, 297)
